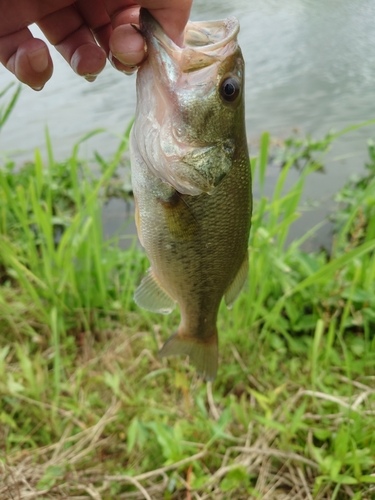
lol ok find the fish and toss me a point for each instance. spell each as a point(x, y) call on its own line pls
point(191, 181)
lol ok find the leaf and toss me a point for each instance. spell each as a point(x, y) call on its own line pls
point(263, 157)
point(112, 380)
point(169, 440)
point(13, 385)
point(52, 473)
point(367, 479)
point(5, 115)
point(343, 479)
point(46, 483)
point(306, 323)
point(337, 264)
point(235, 478)
point(334, 468)
point(198, 482)
point(6, 419)
point(271, 423)
point(297, 422)
point(358, 295)
point(4, 351)
point(132, 434)
point(322, 434)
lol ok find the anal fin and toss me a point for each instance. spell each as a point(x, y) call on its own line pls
point(151, 296)
point(236, 285)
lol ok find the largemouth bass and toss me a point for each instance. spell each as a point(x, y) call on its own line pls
point(191, 180)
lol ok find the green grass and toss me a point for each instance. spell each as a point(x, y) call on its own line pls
point(87, 410)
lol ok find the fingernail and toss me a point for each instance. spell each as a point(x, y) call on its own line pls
point(90, 78)
point(130, 70)
point(38, 59)
point(113, 59)
point(37, 89)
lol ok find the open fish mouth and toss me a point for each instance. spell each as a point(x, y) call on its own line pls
point(203, 41)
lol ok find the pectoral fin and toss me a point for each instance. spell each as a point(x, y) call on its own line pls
point(235, 287)
point(150, 295)
point(180, 218)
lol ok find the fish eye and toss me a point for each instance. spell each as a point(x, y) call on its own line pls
point(229, 89)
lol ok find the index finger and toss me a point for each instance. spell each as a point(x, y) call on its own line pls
point(101, 19)
point(171, 14)
point(125, 43)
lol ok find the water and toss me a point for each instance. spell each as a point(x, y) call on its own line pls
point(310, 65)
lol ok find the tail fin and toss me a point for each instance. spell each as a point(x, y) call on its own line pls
point(203, 354)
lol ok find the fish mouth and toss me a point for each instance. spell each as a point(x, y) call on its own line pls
point(204, 42)
point(172, 77)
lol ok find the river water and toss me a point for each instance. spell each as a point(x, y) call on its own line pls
point(310, 66)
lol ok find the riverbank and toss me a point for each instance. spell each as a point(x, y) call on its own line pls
point(88, 410)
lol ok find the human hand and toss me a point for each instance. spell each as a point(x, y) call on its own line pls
point(85, 32)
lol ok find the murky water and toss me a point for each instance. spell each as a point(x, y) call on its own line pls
point(310, 65)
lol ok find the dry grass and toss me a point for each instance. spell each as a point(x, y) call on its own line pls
point(74, 466)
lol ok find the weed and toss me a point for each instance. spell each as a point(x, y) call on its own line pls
point(87, 410)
